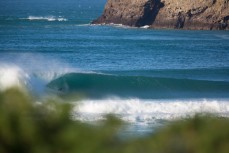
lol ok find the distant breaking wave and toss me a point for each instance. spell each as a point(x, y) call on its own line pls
point(46, 18)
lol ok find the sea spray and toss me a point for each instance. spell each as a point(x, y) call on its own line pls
point(12, 76)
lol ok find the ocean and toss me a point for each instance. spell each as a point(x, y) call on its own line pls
point(145, 77)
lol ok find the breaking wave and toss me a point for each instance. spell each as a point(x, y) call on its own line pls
point(15, 76)
point(46, 18)
point(139, 110)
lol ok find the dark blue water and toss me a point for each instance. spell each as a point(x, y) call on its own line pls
point(50, 44)
point(101, 47)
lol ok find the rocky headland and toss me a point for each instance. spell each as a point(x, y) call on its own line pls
point(178, 14)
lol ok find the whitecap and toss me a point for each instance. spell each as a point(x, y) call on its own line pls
point(46, 18)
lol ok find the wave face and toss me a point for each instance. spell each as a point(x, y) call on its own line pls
point(94, 85)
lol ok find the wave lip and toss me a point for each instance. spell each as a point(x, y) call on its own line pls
point(12, 75)
point(46, 18)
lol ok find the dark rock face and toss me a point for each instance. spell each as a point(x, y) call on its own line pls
point(179, 14)
point(127, 12)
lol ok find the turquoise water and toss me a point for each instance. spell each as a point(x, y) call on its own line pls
point(143, 76)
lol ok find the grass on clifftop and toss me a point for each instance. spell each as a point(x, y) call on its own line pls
point(48, 128)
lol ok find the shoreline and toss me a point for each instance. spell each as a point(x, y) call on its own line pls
point(148, 27)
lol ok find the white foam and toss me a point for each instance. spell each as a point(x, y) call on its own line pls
point(145, 27)
point(15, 76)
point(12, 76)
point(114, 25)
point(119, 25)
point(147, 111)
point(31, 75)
point(47, 18)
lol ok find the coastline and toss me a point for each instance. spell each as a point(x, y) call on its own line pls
point(171, 14)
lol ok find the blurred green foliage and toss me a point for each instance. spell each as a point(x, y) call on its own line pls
point(27, 127)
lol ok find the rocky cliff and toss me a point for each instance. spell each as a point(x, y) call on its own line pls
point(180, 14)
